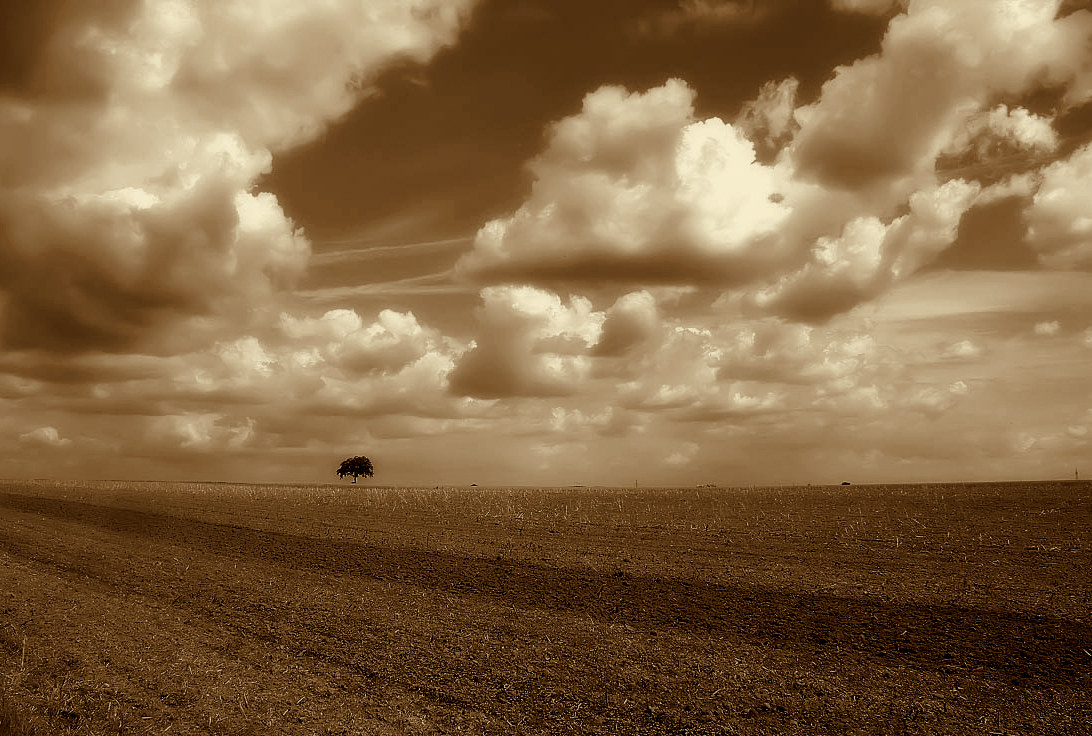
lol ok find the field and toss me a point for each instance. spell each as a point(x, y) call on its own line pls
point(145, 608)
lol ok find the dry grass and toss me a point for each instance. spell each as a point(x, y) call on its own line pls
point(213, 608)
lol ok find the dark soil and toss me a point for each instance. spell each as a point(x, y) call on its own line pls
point(138, 608)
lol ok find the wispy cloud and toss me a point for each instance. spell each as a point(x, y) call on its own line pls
point(371, 252)
point(440, 282)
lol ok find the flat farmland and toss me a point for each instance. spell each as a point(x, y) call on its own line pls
point(189, 608)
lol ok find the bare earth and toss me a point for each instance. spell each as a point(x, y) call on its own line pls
point(145, 608)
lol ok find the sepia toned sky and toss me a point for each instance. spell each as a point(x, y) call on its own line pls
point(551, 242)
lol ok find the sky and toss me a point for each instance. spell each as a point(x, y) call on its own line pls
point(546, 242)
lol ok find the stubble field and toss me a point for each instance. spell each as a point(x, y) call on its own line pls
point(147, 608)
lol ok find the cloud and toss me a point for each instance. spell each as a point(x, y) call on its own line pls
point(389, 344)
point(867, 7)
point(801, 212)
point(333, 364)
point(1048, 329)
point(578, 422)
point(774, 351)
point(1019, 128)
point(684, 455)
point(889, 116)
point(992, 145)
point(44, 437)
point(935, 400)
point(630, 322)
point(670, 285)
point(529, 343)
point(209, 432)
point(1060, 214)
point(696, 15)
point(769, 120)
point(961, 350)
point(869, 256)
point(634, 189)
point(749, 371)
point(132, 159)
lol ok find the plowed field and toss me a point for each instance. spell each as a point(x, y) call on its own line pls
point(148, 608)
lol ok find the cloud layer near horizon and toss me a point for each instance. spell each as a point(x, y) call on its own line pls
point(718, 298)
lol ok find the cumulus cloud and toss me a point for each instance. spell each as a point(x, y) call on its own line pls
point(870, 255)
point(804, 212)
point(608, 420)
point(961, 350)
point(775, 351)
point(889, 116)
point(993, 144)
point(1048, 329)
point(238, 391)
point(846, 199)
point(668, 281)
point(628, 324)
point(1060, 215)
point(389, 344)
point(633, 188)
point(935, 400)
point(206, 432)
point(1020, 128)
point(684, 455)
point(336, 363)
point(745, 371)
point(132, 157)
point(529, 343)
point(44, 437)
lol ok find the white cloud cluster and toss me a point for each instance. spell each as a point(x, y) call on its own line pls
point(870, 255)
point(630, 323)
point(45, 437)
point(635, 189)
point(632, 360)
point(392, 342)
point(202, 432)
point(1060, 215)
point(961, 350)
point(335, 363)
point(844, 205)
point(1048, 329)
point(529, 344)
point(670, 284)
point(297, 385)
point(884, 120)
point(131, 159)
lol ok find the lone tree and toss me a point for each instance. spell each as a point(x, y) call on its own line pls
point(356, 466)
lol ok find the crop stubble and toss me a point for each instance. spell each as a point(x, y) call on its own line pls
point(213, 608)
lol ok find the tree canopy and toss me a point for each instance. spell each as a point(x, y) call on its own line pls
point(356, 466)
